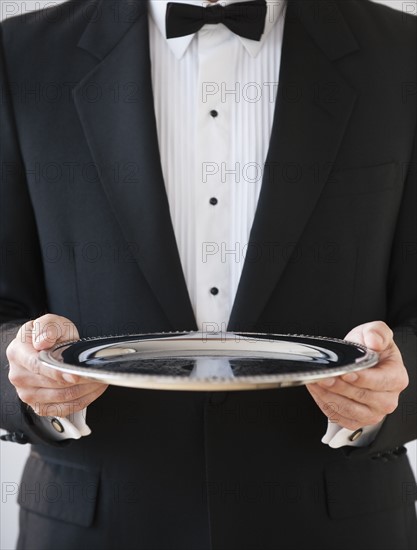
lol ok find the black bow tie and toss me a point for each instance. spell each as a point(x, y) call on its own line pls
point(246, 19)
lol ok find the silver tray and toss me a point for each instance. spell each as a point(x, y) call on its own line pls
point(208, 362)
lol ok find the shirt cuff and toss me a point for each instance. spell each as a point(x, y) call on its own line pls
point(337, 436)
point(74, 426)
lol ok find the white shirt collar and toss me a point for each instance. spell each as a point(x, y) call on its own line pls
point(157, 9)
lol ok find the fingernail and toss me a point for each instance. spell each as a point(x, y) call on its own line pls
point(69, 378)
point(350, 377)
point(40, 337)
point(379, 339)
point(327, 382)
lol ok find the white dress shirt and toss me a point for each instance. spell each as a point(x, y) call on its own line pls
point(218, 158)
point(214, 95)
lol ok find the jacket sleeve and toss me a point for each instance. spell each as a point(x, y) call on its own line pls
point(22, 288)
point(401, 426)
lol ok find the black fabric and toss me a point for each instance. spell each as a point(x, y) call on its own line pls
point(352, 490)
point(246, 19)
point(71, 497)
point(86, 233)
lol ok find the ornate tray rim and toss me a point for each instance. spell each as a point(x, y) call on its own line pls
point(51, 358)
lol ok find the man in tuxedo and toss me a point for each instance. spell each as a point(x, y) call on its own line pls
point(259, 176)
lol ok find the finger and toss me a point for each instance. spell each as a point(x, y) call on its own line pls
point(23, 354)
point(50, 329)
point(390, 377)
point(384, 402)
point(25, 333)
point(378, 336)
point(357, 413)
point(20, 377)
point(375, 335)
point(336, 418)
point(331, 409)
point(37, 397)
point(384, 378)
point(64, 409)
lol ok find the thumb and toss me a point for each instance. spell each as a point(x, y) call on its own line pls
point(49, 330)
point(375, 335)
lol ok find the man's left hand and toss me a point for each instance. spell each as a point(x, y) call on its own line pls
point(365, 397)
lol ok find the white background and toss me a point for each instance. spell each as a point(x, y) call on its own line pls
point(12, 456)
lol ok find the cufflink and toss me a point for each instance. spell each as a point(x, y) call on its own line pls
point(56, 424)
point(356, 434)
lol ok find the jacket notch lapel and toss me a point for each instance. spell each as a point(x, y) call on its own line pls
point(120, 128)
point(314, 104)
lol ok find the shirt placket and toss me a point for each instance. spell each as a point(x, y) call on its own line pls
point(217, 55)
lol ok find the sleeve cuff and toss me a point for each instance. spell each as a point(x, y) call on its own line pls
point(336, 436)
point(74, 426)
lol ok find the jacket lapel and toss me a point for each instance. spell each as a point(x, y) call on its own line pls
point(115, 105)
point(313, 107)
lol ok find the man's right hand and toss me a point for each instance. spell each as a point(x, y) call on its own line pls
point(47, 391)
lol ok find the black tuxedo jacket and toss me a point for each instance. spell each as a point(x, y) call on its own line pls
point(86, 233)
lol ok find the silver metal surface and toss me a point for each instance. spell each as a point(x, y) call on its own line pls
point(212, 362)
